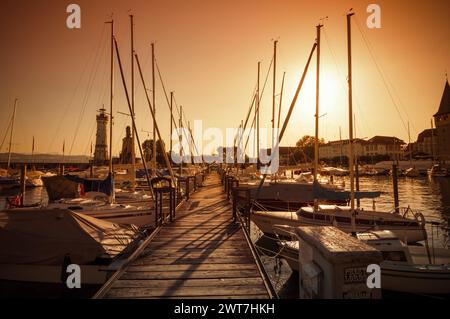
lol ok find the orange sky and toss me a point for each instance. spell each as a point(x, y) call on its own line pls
point(208, 53)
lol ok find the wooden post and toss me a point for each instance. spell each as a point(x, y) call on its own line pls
point(23, 174)
point(395, 183)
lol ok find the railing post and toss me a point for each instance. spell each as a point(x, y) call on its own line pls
point(156, 208)
point(187, 188)
point(235, 191)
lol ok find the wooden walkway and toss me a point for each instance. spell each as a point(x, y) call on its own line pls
point(203, 254)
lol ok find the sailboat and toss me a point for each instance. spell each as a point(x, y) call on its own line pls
point(277, 193)
point(411, 171)
point(346, 218)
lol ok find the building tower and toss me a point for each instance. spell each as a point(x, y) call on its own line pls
point(442, 123)
point(101, 144)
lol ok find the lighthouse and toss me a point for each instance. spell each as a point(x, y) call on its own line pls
point(101, 146)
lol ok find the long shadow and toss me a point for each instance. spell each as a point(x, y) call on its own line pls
point(228, 231)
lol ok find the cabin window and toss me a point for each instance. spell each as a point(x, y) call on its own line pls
point(394, 255)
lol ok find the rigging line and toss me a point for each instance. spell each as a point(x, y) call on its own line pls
point(365, 40)
point(89, 141)
point(248, 114)
point(69, 104)
point(6, 134)
point(344, 82)
point(192, 137)
point(167, 100)
point(87, 94)
point(176, 107)
point(260, 97)
point(165, 92)
point(185, 123)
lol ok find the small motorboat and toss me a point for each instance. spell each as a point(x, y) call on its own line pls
point(437, 171)
point(412, 172)
point(410, 269)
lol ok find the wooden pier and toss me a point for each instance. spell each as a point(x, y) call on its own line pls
point(204, 253)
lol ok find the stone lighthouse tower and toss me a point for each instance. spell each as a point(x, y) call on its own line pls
point(101, 145)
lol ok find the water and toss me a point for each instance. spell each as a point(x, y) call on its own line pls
point(32, 196)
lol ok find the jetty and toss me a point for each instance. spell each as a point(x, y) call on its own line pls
point(204, 253)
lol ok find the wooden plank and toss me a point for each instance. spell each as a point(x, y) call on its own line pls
point(186, 291)
point(187, 283)
point(191, 274)
point(205, 254)
point(157, 260)
point(150, 268)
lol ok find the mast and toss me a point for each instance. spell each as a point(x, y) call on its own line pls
point(281, 100)
point(111, 94)
point(180, 126)
point(350, 123)
point(340, 140)
point(432, 142)
point(316, 139)
point(12, 132)
point(133, 154)
point(273, 90)
point(154, 106)
point(171, 121)
point(410, 148)
point(131, 111)
point(257, 116)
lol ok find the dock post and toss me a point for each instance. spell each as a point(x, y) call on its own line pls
point(187, 187)
point(156, 209)
point(234, 203)
point(172, 203)
point(23, 174)
point(61, 169)
point(395, 182)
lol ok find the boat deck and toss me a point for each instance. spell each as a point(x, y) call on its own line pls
point(202, 254)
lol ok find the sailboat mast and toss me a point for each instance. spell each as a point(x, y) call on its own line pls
point(410, 149)
point(281, 101)
point(133, 151)
point(350, 123)
point(154, 106)
point(171, 121)
point(273, 90)
point(257, 115)
point(180, 126)
point(111, 90)
point(316, 139)
point(12, 132)
point(432, 142)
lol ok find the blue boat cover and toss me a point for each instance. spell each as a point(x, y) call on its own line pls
point(93, 184)
point(321, 192)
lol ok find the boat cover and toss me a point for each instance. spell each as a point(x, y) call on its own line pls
point(325, 193)
point(46, 236)
point(93, 184)
point(58, 187)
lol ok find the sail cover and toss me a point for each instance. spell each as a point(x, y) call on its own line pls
point(46, 236)
point(93, 184)
point(325, 193)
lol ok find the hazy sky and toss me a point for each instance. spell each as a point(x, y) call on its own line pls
point(208, 52)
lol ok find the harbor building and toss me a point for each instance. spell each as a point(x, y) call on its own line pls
point(442, 122)
point(386, 147)
point(126, 153)
point(101, 145)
